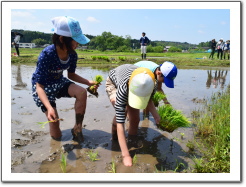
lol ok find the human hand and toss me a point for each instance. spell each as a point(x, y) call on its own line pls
point(93, 83)
point(157, 119)
point(127, 160)
point(52, 114)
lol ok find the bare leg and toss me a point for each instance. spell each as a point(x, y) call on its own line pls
point(133, 120)
point(80, 106)
point(55, 131)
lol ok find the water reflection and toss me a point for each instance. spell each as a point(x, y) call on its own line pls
point(19, 83)
point(219, 78)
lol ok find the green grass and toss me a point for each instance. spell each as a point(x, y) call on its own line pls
point(213, 129)
point(28, 55)
point(171, 119)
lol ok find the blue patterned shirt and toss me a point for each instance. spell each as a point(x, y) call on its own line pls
point(50, 68)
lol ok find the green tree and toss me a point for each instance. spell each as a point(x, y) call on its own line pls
point(39, 41)
point(174, 49)
point(158, 49)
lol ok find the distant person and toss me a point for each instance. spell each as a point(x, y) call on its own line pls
point(144, 41)
point(220, 46)
point(16, 42)
point(226, 50)
point(212, 46)
point(129, 89)
point(48, 82)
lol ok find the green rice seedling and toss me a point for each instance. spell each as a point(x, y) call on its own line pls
point(179, 165)
point(182, 135)
point(93, 57)
point(158, 96)
point(162, 170)
point(63, 163)
point(91, 89)
point(171, 119)
point(112, 167)
point(42, 124)
point(121, 58)
point(134, 159)
point(191, 146)
point(92, 155)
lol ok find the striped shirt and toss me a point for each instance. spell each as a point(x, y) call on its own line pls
point(120, 77)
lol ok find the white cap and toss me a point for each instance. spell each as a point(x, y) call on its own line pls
point(141, 86)
point(69, 27)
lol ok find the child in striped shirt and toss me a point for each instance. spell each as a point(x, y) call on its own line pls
point(129, 89)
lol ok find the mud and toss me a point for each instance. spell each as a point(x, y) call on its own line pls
point(154, 150)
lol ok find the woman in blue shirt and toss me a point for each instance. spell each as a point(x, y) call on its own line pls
point(48, 82)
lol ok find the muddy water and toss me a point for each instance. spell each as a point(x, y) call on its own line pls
point(33, 151)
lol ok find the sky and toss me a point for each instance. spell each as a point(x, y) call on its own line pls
point(179, 25)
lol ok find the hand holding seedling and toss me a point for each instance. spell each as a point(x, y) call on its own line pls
point(51, 114)
point(42, 124)
point(95, 84)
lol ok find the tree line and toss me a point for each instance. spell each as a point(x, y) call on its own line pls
point(108, 41)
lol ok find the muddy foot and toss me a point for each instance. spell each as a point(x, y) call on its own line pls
point(78, 137)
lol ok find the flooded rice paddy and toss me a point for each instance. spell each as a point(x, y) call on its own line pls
point(33, 151)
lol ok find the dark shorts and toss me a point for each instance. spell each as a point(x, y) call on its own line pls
point(53, 92)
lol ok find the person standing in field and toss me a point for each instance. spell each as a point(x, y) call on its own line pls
point(144, 41)
point(213, 46)
point(129, 89)
point(220, 46)
point(48, 82)
point(16, 42)
point(226, 50)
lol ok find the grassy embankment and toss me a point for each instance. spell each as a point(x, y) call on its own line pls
point(213, 130)
point(28, 55)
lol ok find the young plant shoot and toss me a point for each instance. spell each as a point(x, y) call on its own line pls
point(91, 89)
point(158, 96)
point(42, 124)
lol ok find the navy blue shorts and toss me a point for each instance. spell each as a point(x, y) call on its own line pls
point(53, 92)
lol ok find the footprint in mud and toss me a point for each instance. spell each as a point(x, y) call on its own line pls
point(15, 122)
point(96, 120)
point(25, 113)
point(18, 157)
point(32, 134)
point(19, 142)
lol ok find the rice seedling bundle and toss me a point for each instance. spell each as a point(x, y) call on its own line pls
point(91, 89)
point(158, 96)
point(171, 119)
